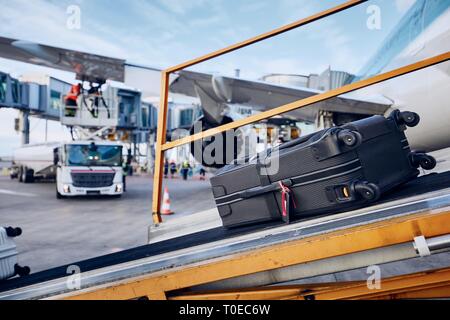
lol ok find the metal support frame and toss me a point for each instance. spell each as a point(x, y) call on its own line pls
point(87, 134)
point(25, 126)
point(162, 146)
point(162, 284)
point(424, 285)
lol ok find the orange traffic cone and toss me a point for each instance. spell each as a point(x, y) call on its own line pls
point(165, 209)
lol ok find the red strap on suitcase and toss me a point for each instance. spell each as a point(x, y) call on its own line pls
point(286, 194)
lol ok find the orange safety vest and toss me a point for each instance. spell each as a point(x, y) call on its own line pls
point(74, 93)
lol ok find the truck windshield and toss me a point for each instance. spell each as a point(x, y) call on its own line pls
point(94, 155)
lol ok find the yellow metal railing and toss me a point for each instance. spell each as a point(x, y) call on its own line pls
point(162, 145)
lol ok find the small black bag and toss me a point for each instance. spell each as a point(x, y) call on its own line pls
point(8, 254)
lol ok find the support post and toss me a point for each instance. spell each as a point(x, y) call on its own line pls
point(160, 140)
point(25, 129)
point(151, 153)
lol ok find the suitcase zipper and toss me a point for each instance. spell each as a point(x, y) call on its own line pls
point(291, 182)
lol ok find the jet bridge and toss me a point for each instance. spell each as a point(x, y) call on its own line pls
point(43, 96)
point(114, 107)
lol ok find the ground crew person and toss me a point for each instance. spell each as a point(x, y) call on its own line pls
point(126, 167)
point(202, 173)
point(166, 168)
point(185, 169)
point(173, 169)
point(71, 100)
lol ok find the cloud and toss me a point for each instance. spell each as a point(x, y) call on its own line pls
point(181, 7)
point(252, 7)
point(404, 5)
point(48, 21)
point(205, 22)
point(332, 37)
point(298, 9)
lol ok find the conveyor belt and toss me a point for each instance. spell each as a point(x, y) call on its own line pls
point(425, 184)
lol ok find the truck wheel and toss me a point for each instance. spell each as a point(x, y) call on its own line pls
point(59, 195)
point(28, 175)
point(20, 174)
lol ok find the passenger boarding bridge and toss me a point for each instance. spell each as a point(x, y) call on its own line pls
point(118, 109)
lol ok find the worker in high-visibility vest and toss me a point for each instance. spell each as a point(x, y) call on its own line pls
point(126, 168)
point(71, 100)
point(185, 169)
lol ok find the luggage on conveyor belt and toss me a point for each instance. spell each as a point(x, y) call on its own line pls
point(8, 254)
point(333, 170)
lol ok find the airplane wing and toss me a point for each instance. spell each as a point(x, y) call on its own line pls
point(217, 91)
point(89, 67)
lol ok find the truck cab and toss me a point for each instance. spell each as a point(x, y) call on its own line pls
point(88, 168)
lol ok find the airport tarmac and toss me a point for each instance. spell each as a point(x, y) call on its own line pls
point(57, 232)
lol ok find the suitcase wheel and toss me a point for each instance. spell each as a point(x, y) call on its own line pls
point(422, 160)
point(410, 119)
point(21, 271)
point(13, 232)
point(368, 191)
point(349, 138)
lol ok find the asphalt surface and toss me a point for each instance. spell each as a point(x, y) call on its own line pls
point(57, 232)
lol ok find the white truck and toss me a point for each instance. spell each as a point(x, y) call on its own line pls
point(80, 168)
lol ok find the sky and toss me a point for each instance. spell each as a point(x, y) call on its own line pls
point(162, 33)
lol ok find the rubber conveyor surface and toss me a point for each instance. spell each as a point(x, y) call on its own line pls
point(421, 185)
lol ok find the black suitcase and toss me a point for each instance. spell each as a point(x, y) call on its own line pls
point(331, 171)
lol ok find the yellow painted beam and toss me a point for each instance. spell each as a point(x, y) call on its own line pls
point(342, 242)
point(434, 284)
point(391, 287)
point(161, 140)
point(438, 292)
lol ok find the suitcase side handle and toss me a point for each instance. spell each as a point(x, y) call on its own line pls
point(251, 193)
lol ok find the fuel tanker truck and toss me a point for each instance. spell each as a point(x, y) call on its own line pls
point(80, 168)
